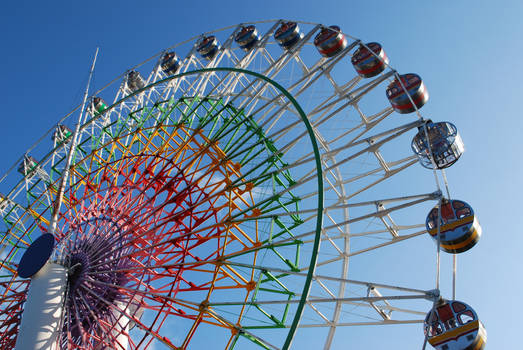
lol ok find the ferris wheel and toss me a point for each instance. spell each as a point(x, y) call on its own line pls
point(267, 185)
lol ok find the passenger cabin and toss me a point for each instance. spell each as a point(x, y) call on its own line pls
point(330, 41)
point(61, 134)
point(97, 106)
point(135, 81)
point(28, 165)
point(443, 148)
point(459, 228)
point(247, 37)
point(453, 325)
point(288, 35)
point(170, 63)
point(208, 47)
point(369, 61)
point(399, 98)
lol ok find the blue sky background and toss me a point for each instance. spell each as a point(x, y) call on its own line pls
point(467, 52)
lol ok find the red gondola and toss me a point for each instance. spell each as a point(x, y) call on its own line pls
point(399, 99)
point(369, 64)
point(330, 41)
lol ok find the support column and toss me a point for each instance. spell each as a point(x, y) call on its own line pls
point(39, 329)
point(121, 332)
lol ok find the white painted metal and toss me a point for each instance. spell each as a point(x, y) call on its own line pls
point(58, 200)
point(120, 331)
point(39, 329)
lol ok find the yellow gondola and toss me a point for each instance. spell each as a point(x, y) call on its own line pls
point(453, 325)
point(459, 228)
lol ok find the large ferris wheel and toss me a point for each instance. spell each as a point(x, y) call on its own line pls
point(267, 185)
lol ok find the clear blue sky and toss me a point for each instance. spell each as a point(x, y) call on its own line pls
point(468, 53)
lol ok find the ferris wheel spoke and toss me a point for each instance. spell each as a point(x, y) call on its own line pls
point(327, 278)
point(355, 324)
point(109, 339)
point(308, 79)
point(321, 300)
point(386, 175)
point(373, 145)
point(366, 124)
point(147, 329)
point(348, 98)
point(242, 331)
point(76, 323)
point(393, 241)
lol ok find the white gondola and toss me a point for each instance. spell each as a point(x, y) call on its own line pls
point(444, 147)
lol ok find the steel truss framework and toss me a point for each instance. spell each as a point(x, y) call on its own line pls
point(200, 198)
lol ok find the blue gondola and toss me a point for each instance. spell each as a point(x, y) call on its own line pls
point(366, 63)
point(208, 47)
point(170, 63)
point(135, 81)
point(445, 143)
point(399, 99)
point(330, 41)
point(459, 228)
point(247, 37)
point(453, 325)
point(288, 35)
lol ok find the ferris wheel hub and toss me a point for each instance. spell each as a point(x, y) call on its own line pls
point(36, 256)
